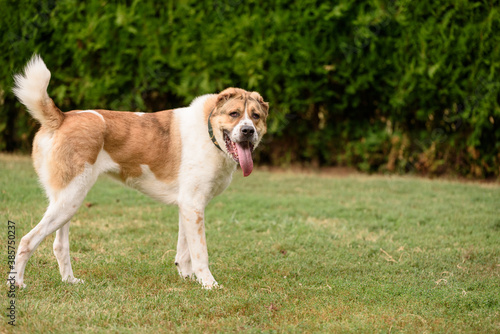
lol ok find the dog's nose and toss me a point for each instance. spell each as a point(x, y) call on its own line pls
point(247, 131)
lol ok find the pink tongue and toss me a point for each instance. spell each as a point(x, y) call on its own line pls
point(245, 157)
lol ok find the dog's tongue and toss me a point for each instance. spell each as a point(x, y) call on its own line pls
point(245, 157)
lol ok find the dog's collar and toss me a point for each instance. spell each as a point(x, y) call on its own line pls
point(211, 132)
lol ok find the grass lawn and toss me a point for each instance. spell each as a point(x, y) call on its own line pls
point(294, 253)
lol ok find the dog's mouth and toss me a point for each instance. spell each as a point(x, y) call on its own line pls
point(241, 153)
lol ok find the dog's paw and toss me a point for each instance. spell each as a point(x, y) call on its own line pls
point(20, 285)
point(207, 281)
point(73, 280)
point(211, 286)
point(189, 276)
point(185, 270)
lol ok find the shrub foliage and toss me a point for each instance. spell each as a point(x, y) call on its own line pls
point(381, 85)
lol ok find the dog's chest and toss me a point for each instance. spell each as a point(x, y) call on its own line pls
point(222, 181)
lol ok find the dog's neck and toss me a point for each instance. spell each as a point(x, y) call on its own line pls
point(211, 132)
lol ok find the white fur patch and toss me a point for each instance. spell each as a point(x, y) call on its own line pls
point(198, 150)
point(92, 112)
point(104, 164)
point(148, 184)
point(31, 86)
point(45, 146)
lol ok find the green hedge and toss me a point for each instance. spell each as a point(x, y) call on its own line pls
point(381, 85)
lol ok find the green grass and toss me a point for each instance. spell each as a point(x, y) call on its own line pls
point(294, 253)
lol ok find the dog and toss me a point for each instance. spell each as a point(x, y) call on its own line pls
point(184, 156)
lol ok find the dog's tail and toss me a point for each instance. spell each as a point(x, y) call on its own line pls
point(31, 89)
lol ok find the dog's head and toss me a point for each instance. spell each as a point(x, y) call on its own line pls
point(239, 122)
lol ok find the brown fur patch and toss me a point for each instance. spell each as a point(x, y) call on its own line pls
point(77, 141)
point(256, 107)
point(199, 222)
point(199, 218)
point(150, 139)
point(52, 115)
point(131, 140)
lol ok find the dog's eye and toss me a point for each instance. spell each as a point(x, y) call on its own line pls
point(234, 114)
point(255, 116)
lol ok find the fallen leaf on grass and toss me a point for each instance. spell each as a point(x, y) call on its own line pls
point(272, 307)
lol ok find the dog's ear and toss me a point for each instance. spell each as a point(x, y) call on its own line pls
point(260, 99)
point(225, 95)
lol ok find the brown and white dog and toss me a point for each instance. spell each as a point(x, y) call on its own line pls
point(184, 156)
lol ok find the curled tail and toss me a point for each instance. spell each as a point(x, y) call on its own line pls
point(31, 89)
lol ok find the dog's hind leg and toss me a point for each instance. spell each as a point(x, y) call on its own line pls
point(63, 205)
point(61, 251)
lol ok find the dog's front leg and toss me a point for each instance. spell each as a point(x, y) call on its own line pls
point(193, 226)
point(183, 257)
